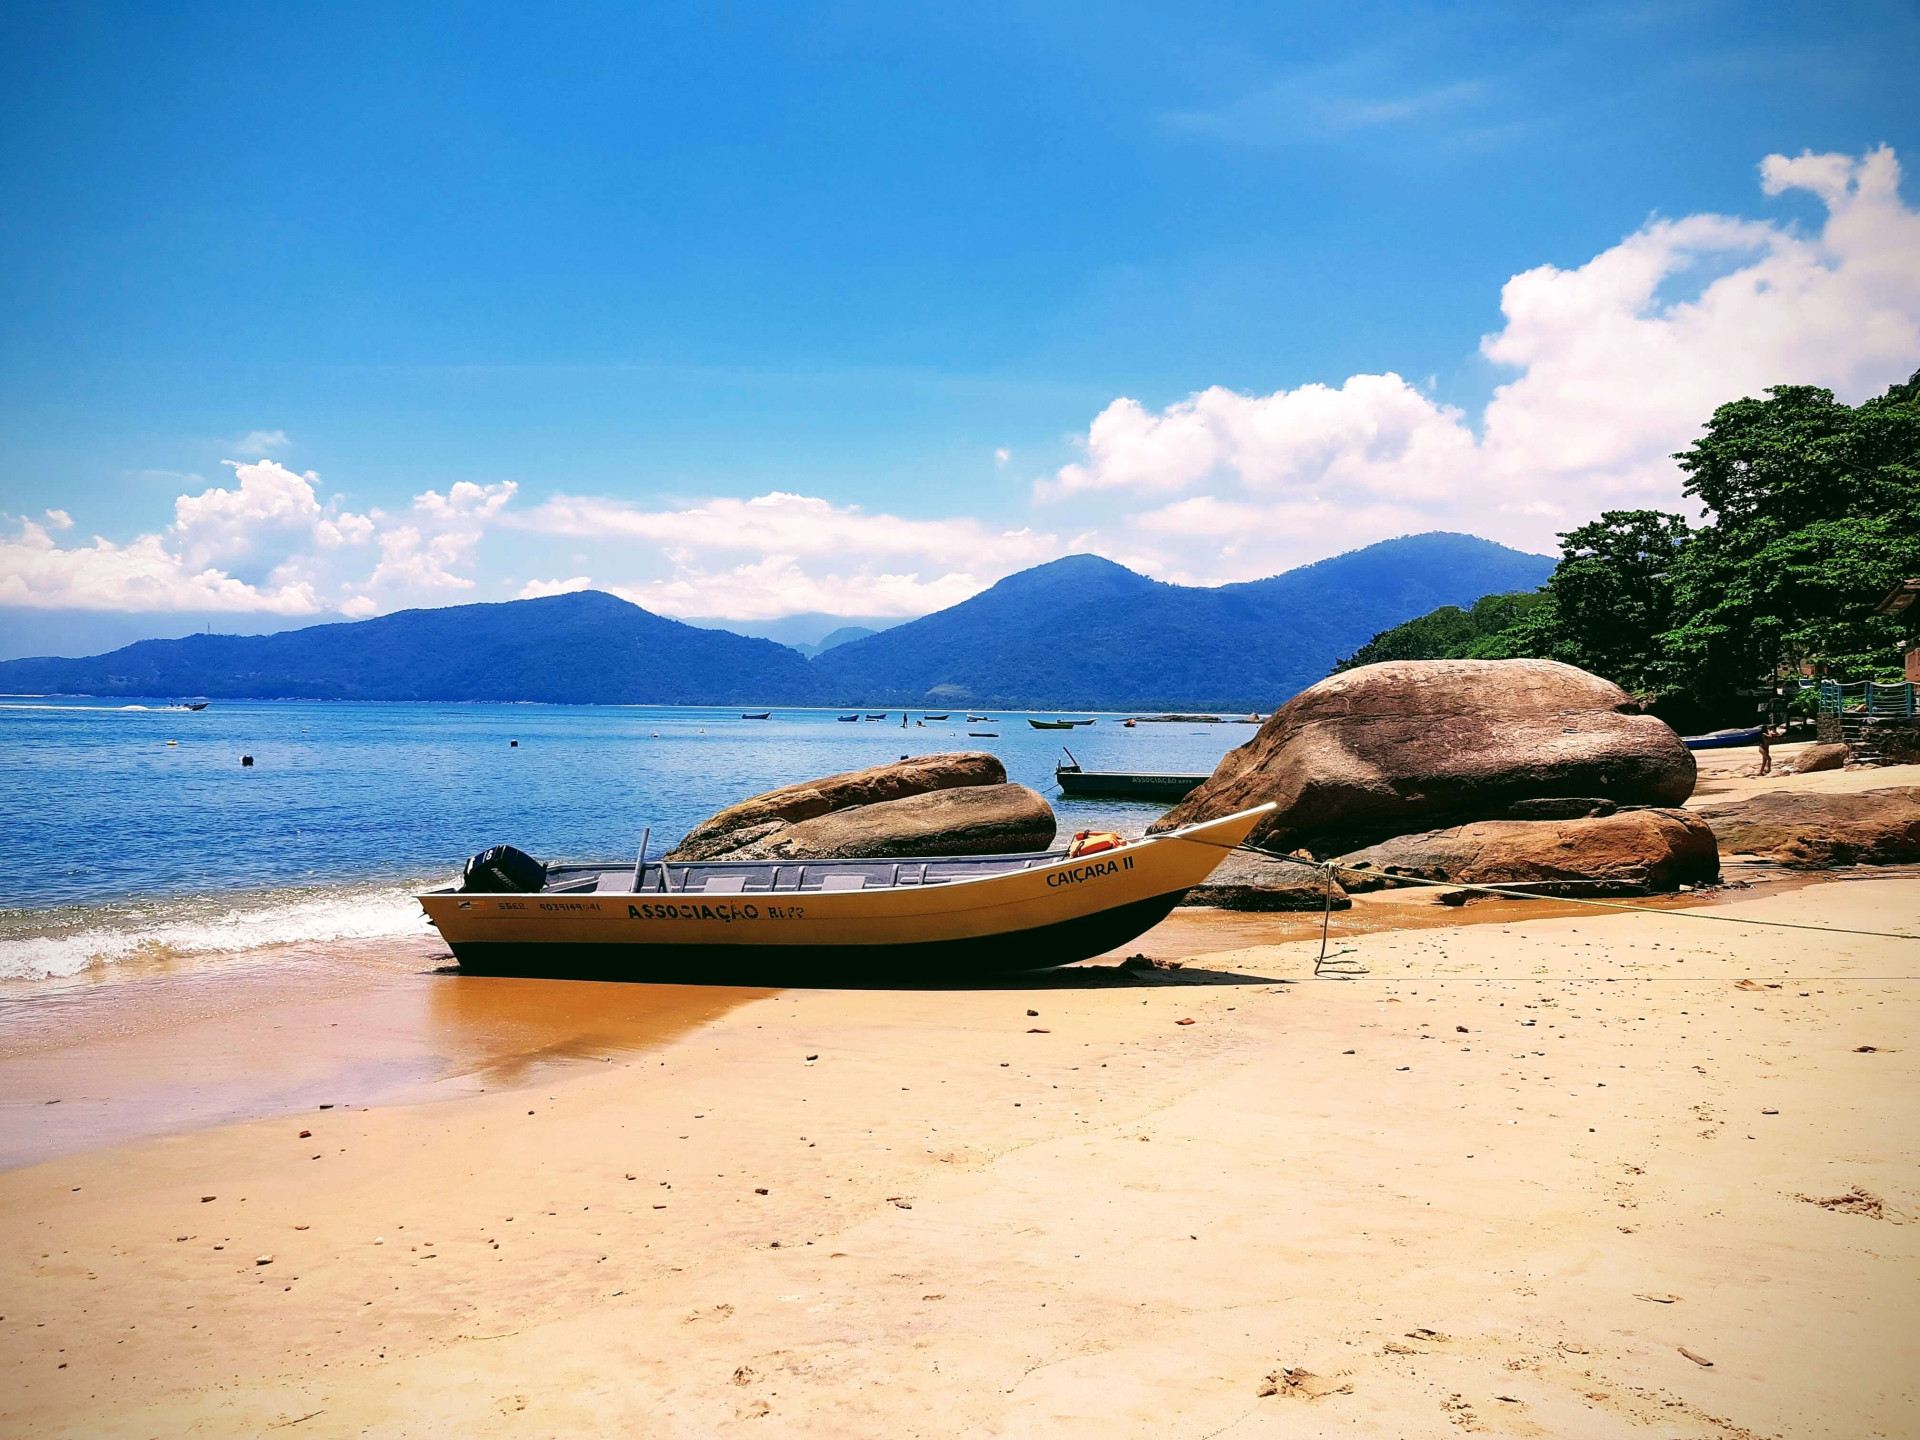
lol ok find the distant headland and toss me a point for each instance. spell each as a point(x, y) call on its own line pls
point(1079, 632)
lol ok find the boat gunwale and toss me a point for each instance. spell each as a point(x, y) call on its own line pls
point(1054, 860)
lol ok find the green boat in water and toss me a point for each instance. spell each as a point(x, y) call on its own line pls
point(1124, 785)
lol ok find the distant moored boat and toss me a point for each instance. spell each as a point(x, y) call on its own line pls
point(756, 714)
point(1722, 739)
point(1126, 785)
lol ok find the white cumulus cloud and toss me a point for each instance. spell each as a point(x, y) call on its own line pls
point(268, 543)
point(540, 589)
point(782, 553)
point(143, 575)
point(1619, 362)
point(435, 543)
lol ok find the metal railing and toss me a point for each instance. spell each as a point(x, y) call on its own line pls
point(1865, 699)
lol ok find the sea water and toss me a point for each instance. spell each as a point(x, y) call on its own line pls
point(131, 828)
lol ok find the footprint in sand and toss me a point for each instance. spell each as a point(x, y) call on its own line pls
point(1855, 1202)
point(1301, 1385)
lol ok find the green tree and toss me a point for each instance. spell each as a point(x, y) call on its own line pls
point(1613, 595)
point(1815, 514)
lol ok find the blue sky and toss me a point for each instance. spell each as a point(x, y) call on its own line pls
point(896, 264)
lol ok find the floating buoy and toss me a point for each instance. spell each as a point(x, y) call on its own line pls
point(246, 760)
point(513, 744)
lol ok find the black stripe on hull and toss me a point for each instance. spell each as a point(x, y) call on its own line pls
point(1039, 949)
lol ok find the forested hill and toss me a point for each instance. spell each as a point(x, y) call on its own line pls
point(1080, 633)
point(583, 648)
point(1085, 632)
point(1476, 632)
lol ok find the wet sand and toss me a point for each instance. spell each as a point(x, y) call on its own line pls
point(187, 1044)
point(289, 1029)
point(1509, 1181)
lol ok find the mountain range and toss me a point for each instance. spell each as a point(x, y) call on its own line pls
point(1081, 632)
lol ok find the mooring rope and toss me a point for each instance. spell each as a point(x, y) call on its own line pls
point(1331, 867)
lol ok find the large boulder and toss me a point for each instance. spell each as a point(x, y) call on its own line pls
point(1806, 831)
point(1245, 881)
point(1817, 757)
point(1411, 744)
point(974, 820)
point(763, 816)
point(1637, 849)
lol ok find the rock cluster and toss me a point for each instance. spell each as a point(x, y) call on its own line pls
point(762, 818)
point(1810, 831)
point(974, 820)
point(1245, 881)
point(1409, 745)
point(1635, 851)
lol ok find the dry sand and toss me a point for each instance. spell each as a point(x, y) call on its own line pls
point(1729, 775)
point(1524, 1177)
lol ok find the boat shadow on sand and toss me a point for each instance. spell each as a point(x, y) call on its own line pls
point(1133, 973)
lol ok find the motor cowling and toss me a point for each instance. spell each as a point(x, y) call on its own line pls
point(503, 870)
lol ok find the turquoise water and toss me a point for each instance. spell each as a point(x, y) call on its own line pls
point(113, 840)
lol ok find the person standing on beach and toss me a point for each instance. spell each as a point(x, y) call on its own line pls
point(1766, 754)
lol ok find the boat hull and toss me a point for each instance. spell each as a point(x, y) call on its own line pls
point(1019, 913)
point(1723, 739)
point(1119, 786)
point(1042, 948)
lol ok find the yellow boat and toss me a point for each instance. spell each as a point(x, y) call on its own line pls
point(898, 919)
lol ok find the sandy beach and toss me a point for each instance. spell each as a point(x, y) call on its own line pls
point(1537, 1171)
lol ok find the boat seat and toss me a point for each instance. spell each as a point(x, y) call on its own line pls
point(725, 885)
point(844, 882)
point(618, 881)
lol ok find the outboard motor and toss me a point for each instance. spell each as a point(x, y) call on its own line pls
point(503, 870)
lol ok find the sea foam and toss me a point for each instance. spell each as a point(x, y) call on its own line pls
point(54, 944)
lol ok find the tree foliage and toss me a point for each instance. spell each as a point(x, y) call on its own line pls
point(1816, 507)
point(1447, 633)
point(1611, 591)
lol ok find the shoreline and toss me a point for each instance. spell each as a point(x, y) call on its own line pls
point(164, 1042)
point(172, 1046)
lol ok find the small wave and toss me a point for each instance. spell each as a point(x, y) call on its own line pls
point(70, 942)
point(133, 707)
